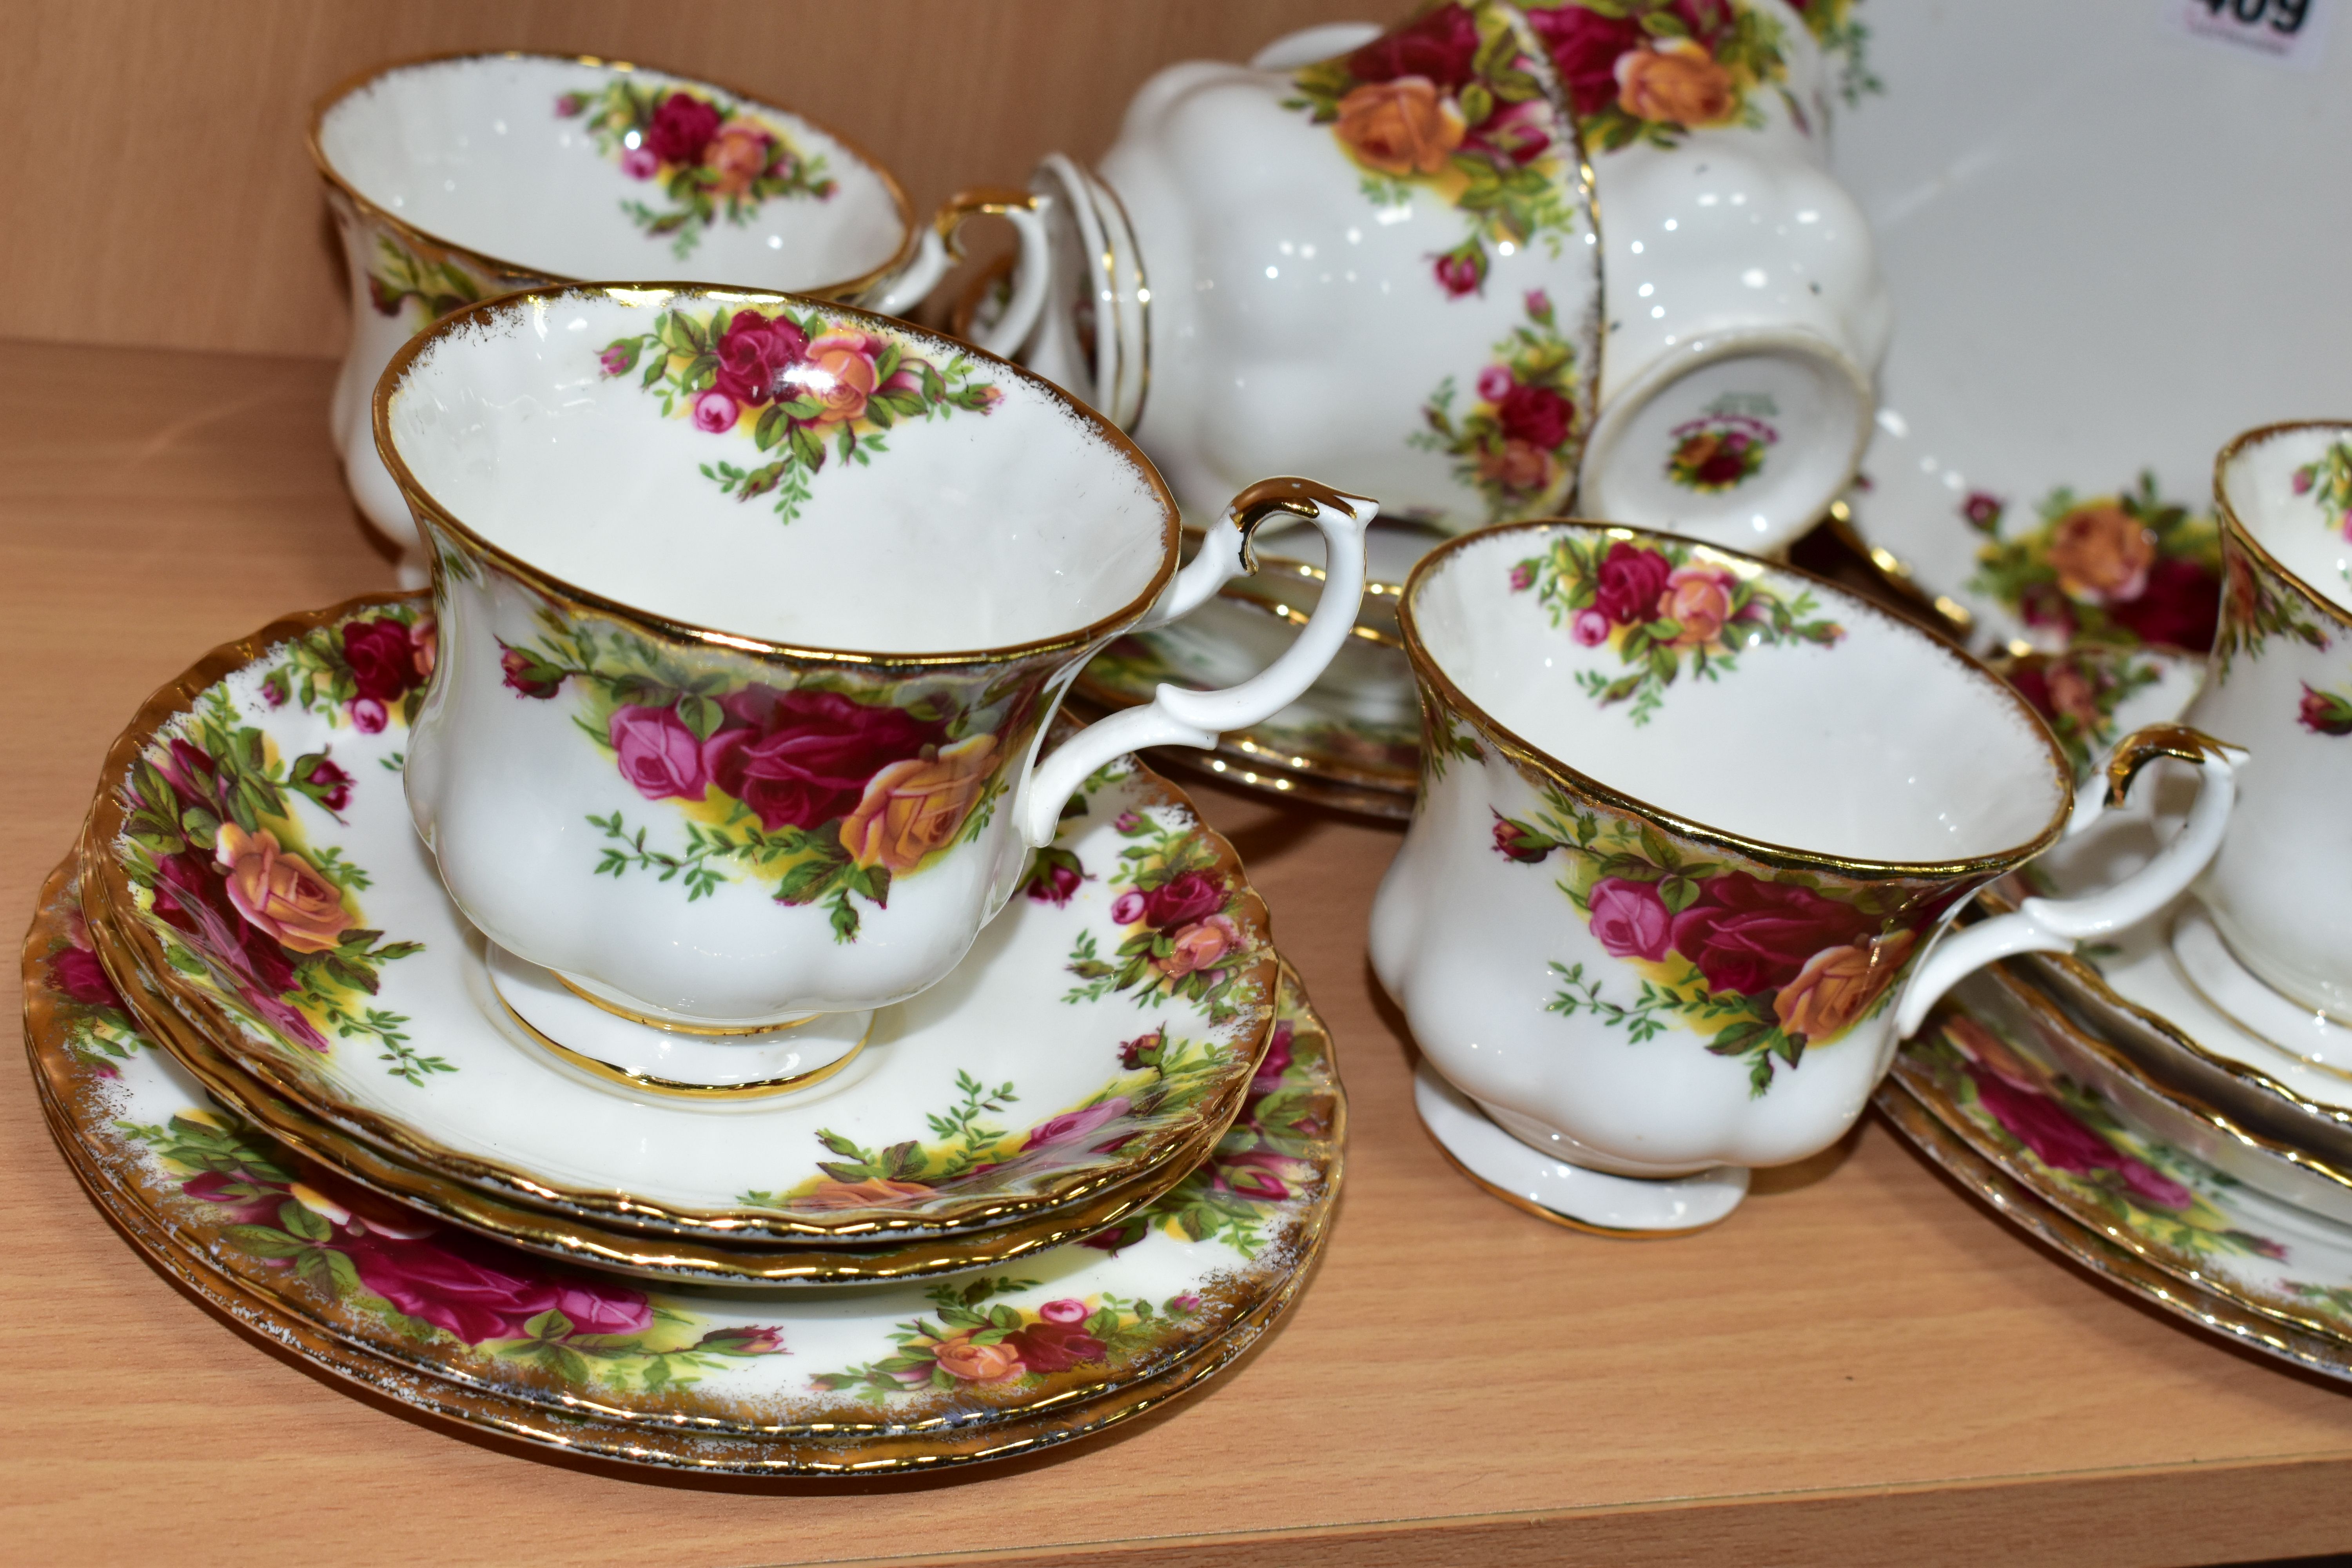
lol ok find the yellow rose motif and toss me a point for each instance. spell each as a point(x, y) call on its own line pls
point(1678, 81)
point(1698, 600)
point(736, 155)
point(2101, 551)
point(1401, 127)
point(915, 808)
point(977, 1363)
point(838, 372)
point(873, 1191)
point(1839, 984)
point(280, 893)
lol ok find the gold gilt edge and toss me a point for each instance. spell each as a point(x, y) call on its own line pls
point(2174, 1264)
point(670, 1261)
point(1244, 762)
point(910, 232)
point(2078, 972)
point(1297, 1246)
point(105, 824)
point(2049, 1015)
point(2022, 1207)
point(663, 1447)
point(1438, 690)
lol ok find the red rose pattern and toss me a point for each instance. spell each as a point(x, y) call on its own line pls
point(681, 128)
point(802, 758)
point(1630, 581)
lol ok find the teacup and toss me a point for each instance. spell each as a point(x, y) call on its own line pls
point(1379, 256)
point(458, 178)
point(752, 611)
point(2280, 677)
point(1690, 830)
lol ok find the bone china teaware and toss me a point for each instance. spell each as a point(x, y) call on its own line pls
point(1690, 829)
point(767, 585)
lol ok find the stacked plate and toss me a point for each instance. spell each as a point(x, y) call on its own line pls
point(1064, 1186)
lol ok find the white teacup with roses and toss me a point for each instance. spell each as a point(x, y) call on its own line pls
point(753, 612)
point(455, 179)
point(1691, 830)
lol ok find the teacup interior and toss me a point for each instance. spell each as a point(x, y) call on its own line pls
point(1004, 519)
point(501, 154)
point(2292, 490)
point(1879, 744)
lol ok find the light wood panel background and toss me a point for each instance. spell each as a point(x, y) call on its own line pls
point(158, 193)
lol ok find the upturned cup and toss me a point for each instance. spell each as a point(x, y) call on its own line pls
point(457, 178)
point(752, 612)
point(1479, 260)
point(1691, 830)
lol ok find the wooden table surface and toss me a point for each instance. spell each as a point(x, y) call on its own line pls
point(1862, 1365)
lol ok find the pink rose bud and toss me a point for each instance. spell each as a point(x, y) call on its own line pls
point(714, 412)
point(1591, 628)
point(639, 164)
point(369, 715)
point(1064, 1310)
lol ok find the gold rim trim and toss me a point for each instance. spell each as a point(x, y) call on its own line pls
point(489, 313)
point(743, 1261)
point(2048, 1014)
point(2022, 1207)
point(2080, 974)
point(921, 1443)
point(2243, 537)
point(2177, 1267)
point(714, 1031)
point(678, 1089)
point(104, 825)
point(910, 233)
point(1436, 683)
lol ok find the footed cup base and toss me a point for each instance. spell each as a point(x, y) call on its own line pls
point(2204, 960)
point(1565, 1194)
point(591, 1039)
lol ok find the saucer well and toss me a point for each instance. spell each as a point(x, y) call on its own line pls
point(1982, 1069)
point(875, 1379)
point(1101, 1029)
point(750, 1262)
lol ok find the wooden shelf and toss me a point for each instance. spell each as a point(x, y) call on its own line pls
point(1862, 1365)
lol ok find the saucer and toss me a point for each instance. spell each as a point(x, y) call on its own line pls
point(1078, 1048)
point(1982, 1071)
point(2022, 1206)
point(2072, 354)
point(2152, 991)
point(745, 1262)
point(1353, 741)
point(875, 1379)
point(1571, 1196)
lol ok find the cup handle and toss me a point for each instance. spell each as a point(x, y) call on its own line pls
point(943, 247)
point(2055, 925)
point(1177, 716)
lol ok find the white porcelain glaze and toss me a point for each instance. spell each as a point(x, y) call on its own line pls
point(1590, 1198)
point(2279, 683)
point(2103, 265)
point(455, 179)
point(895, 611)
point(1657, 924)
point(1251, 279)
